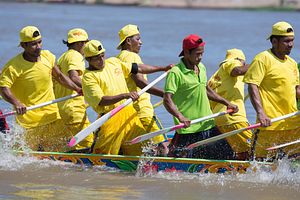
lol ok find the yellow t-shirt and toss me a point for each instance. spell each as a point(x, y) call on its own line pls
point(72, 110)
point(109, 81)
point(232, 89)
point(143, 105)
point(31, 83)
point(277, 80)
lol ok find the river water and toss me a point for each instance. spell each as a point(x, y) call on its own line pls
point(162, 33)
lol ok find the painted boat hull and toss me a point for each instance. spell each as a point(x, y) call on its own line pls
point(153, 164)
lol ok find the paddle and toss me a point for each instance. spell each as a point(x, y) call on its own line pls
point(222, 136)
point(41, 105)
point(96, 124)
point(157, 104)
point(283, 145)
point(246, 97)
point(172, 128)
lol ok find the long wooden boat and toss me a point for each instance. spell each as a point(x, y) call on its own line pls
point(153, 164)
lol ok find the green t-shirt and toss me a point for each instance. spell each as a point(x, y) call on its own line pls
point(298, 100)
point(189, 95)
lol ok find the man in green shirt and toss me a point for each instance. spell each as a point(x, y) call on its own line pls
point(187, 98)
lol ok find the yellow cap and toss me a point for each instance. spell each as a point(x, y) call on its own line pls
point(282, 29)
point(235, 53)
point(29, 33)
point(77, 35)
point(127, 31)
point(93, 48)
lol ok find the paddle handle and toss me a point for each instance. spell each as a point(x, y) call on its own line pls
point(282, 145)
point(173, 128)
point(158, 104)
point(222, 136)
point(211, 116)
point(99, 122)
point(219, 137)
point(41, 105)
point(128, 101)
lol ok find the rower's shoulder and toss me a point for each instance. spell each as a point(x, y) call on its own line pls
point(48, 55)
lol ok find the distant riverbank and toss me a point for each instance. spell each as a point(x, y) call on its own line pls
point(224, 4)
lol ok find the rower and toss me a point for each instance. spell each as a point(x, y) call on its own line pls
point(273, 84)
point(130, 44)
point(187, 97)
point(26, 80)
point(104, 89)
point(229, 77)
point(71, 63)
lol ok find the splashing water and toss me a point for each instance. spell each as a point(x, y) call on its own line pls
point(145, 166)
point(283, 173)
point(287, 173)
point(13, 141)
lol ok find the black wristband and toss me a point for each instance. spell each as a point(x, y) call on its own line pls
point(134, 68)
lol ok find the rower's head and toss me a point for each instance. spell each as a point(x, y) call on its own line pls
point(77, 38)
point(282, 38)
point(236, 54)
point(130, 38)
point(31, 41)
point(192, 49)
point(94, 53)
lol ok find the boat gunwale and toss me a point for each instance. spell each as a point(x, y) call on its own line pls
point(137, 158)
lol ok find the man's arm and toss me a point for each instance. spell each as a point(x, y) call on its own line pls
point(172, 109)
point(256, 102)
point(298, 91)
point(141, 83)
point(74, 76)
point(65, 80)
point(109, 100)
point(213, 96)
point(148, 69)
point(9, 97)
point(239, 70)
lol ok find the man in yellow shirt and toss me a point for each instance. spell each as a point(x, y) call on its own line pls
point(26, 80)
point(105, 88)
point(273, 83)
point(228, 83)
point(130, 44)
point(72, 64)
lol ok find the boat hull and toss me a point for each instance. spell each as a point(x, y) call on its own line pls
point(153, 164)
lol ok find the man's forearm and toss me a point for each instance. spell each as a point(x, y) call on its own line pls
point(239, 71)
point(213, 96)
point(74, 76)
point(255, 98)
point(148, 69)
point(66, 82)
point(109, 100)
point(8, 96)
point(141, 83)
point(171, 107)
point(298, 91)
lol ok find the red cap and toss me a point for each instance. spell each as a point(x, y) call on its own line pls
point(191, 42)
